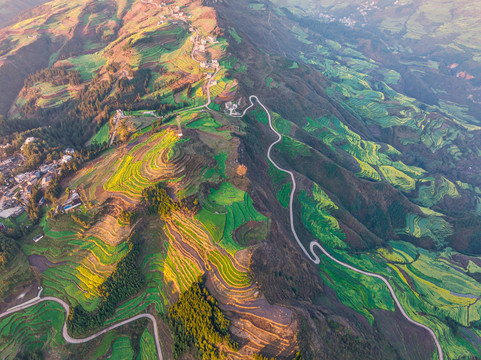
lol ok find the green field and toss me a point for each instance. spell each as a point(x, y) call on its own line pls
point(122, 349)
point(233, 33)
point(283, 195)
point(31, 329)
point(225, 210)
point(102, 136)
point(426, 282)
point(148, 350)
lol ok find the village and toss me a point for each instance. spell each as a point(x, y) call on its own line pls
point(17, 189)
point(177, 16)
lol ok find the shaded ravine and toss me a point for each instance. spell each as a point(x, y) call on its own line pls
point(315, 244)
point(72, 340)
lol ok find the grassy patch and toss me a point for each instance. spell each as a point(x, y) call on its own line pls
point(283, 195)
point(233, 33)
point(102, 136)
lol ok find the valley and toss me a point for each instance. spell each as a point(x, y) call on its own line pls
point(310, 182)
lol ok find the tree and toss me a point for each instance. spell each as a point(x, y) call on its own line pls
point(8, 251)
point(126, 217)
point(125, 281)
point(195, 319)
point(33, 209)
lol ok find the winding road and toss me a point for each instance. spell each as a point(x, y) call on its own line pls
point(37, 300)
point(311, 255)
point(314, 244)
point(72, 340)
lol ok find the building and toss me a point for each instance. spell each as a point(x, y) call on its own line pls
point(38, 238)
point(46, 168)
point(75, 203)
point(69, 151)
point(47, 179)
point(32, 181)
point(20, 178)
point(212, 39)
point(12, 212)
point(74, 195)
point(66, 159)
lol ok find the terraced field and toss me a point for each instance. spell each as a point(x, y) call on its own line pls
point(122, 349)
point(225, 210)
point(147, 346)
point(431, 286)
point(32, 328)
point(431, 225)
point(79, 252)
point(83, 262)
point(145, 164)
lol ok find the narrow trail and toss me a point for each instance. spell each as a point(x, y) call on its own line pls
point(72, 340)
point(311, 255)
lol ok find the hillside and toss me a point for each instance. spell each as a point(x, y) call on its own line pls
point(333, 215)
point(392, 171)
point(10, 9)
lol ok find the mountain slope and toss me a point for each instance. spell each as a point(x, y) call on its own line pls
point(385, 164)
point(381, 132)
point(10, 9)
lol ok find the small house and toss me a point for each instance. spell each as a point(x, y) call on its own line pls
point(38, 238)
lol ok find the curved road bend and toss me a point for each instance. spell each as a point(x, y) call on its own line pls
point(72, 340)
point(314, 244)
point(39, 300)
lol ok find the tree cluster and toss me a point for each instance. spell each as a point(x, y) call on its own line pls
point(126, 217)
point(34, 210)
point(158, 201)
point(165, 109)
point(56, 76)
point(91, 97)
point(8, 251)
point(196, 320)
point(30, 355)
point(125, 281)
point(34, 153)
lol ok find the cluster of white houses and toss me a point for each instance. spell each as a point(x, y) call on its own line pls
point(16, 191)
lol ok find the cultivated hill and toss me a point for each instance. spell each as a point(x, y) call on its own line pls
point(183, 213)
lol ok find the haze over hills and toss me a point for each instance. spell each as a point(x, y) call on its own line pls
point(143, 185)
point(10, 9)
